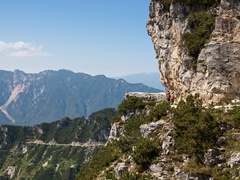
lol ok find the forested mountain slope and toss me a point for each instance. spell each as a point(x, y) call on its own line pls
point(54, 150)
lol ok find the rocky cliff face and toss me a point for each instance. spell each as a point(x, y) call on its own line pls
point(217, 73)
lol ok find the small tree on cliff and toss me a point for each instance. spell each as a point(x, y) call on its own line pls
point(130, 103)
point(196, 129)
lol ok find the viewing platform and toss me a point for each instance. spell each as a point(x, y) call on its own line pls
point(147, 96)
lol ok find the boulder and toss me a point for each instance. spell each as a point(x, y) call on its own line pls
point(234, 159)
point(120, 169)
point(147, 130)
point(116, 130)
point(210, 157)
point(167, 143)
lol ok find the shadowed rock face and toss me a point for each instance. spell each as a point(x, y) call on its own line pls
point(217, 75)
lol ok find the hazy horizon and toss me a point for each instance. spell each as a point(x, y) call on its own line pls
point(94, 37)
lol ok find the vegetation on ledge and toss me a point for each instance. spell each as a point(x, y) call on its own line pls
point(202, 24)
point(194, 128)
point(129, 104)
point(191, 2)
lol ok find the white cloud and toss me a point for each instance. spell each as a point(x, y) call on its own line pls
point(22, 49)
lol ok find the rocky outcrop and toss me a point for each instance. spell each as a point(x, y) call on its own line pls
point(167, 143)
point(217, 73)
point(149, 130)
point(129, 113)
point(147, 96)
point(116, 131)
point(235, 159)
point(211, 157)
point(161, 129)
point(157, 171)
point(120, 169)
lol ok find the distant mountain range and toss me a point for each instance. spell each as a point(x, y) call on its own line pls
point(29, 99)
point(149, 79)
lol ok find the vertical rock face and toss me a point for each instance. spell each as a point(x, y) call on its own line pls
point(217, 73)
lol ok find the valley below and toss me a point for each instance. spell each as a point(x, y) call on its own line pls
point(54, 150)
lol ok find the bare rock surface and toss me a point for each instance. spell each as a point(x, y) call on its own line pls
point(120, 169)
point(217, 75)
point(234, 160)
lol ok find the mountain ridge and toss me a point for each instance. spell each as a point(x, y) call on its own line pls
point(151, 79)
point(28, 99)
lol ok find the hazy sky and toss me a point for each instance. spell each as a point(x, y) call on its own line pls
point(91, 36)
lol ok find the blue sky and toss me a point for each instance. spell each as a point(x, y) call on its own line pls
point(95, 37)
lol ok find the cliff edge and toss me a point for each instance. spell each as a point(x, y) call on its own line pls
point(211, 69)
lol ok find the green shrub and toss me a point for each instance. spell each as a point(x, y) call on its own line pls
point(126, 143)
point(131, 102)
point(221, 173)
point(115, 119)
point(5, 176)
point(109, 175)
point(159, 111)
point(199, 2)
point(194, 167)
point(106, 155)
point(191, 2)
point(151, 103)
point(45, 173)
point(129, 176)
point(202, 23)
point(132, 132)
point(166, 2)
point(236, 116)
point(132, 127)
point(229, 117)
point(38, 153)
point(196, 130)
point(146, 150)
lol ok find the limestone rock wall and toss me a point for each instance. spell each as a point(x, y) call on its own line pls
point(217, 76)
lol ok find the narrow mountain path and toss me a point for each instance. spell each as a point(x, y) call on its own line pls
point(73, 144)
